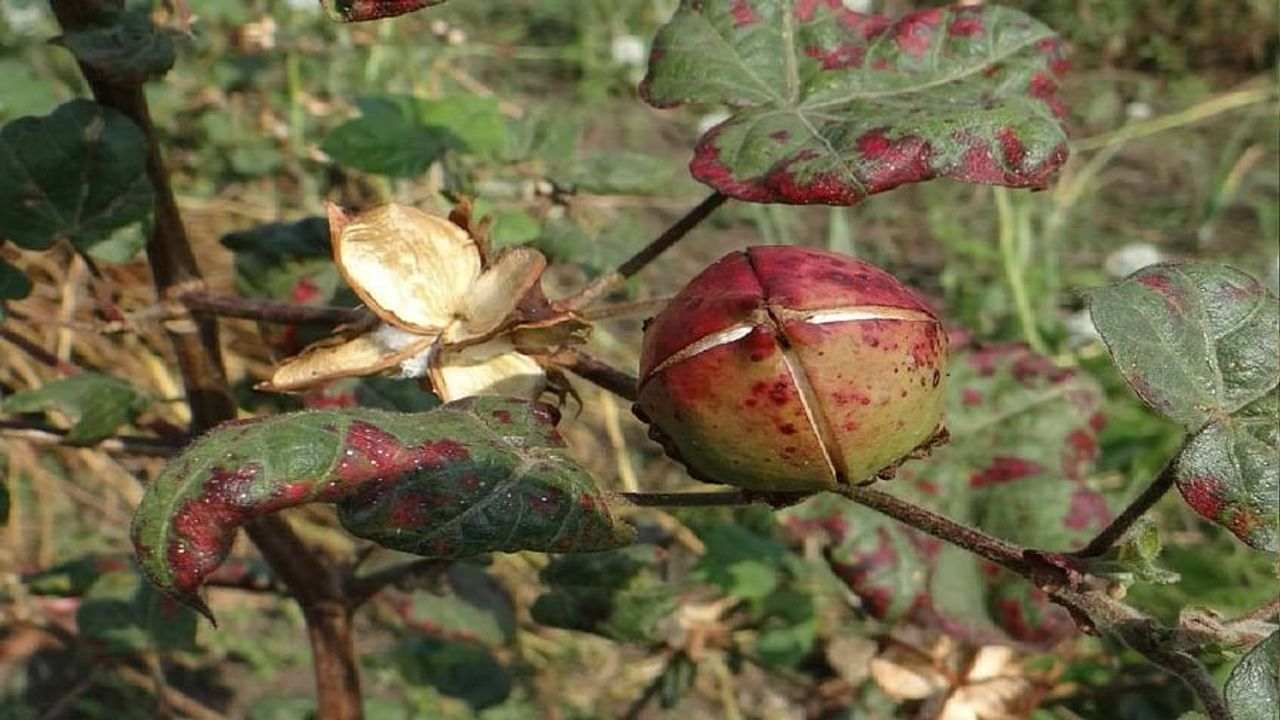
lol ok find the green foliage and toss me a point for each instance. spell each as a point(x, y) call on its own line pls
point(40, 201)
point(403, 135)
point(1198, 344)
point(14, 284)
point(616, 594)
point(1253, 689)
point(123, 614)
point(98, 404)
point(123, 47)
point(460, 670)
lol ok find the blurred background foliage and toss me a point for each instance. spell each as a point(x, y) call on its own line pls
point(530, 107)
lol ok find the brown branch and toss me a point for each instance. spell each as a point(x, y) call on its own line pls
point(603, 284)
point(311, 580)
point(269, 311)
point(38, 353)
point(174, 698)
point(604, 375)
point(131, 444)
point(715, 498)
point(1112, 533)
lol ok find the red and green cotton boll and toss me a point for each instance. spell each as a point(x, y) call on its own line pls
point(785, 368)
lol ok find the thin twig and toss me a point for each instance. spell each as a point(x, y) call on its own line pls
point(603, 375)
point(38, 353)
point(713, 498)
point(127, 444)
point(603, 284)
point(359, 590)
point(268, 310)
point(178, 700)
point(638, 705)
point(1112, 533)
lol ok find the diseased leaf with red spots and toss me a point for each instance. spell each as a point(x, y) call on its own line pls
point(885, 563)
point(1023, 440)
point(1199, 344)
point(364, 10)
point(476, 475)
point(831, 105)
point(1253, 688)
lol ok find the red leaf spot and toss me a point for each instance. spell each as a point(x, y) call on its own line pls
point(304, 291)
point(787, 429)
point(1004, 469)
point(1044, 87)
point(1205, 494)
point(965, 27)
point(1088, 511)
point(1080, 451)
point(970, 397)
point(839, 57)
point(1011, 146)
point(546, 501)
point(914, 33)
point(743, 13)
point(503, 416)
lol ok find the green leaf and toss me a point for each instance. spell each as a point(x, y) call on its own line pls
point(74, 577)
point(25, 90)
point(615, 594)
point(459, 670)
point(1133, 558)
point(476, 475)
point(874, 555)
point(1198, 343)
point(286, 261)
point(473, 119)
point(99, 404)
point(387, 140)
point(121, 246)
point(78, 173)
point(400, 135)
point(14, 284)
point(1253, 688)
point(124, 47)
point(740, 562)
point(830, 105)
point(471, 607)
point(124, 615)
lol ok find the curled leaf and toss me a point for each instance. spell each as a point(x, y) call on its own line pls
point(472, 476)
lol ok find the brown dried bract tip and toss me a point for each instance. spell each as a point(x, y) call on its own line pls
point(785, 368)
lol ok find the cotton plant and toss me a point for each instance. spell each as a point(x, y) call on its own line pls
point(446, 310)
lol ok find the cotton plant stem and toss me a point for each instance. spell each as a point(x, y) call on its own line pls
point(269, 311)
point(1216, 105)
point(602, 285)
point(603, 375)
point(1112, 533)
point(310, 579)
point(1014, 267)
